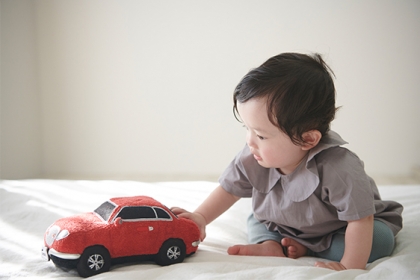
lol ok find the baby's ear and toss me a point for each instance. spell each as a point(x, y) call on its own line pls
point(311, 139)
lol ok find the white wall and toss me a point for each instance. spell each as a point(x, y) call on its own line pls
point(129, 88)
point(20, 127)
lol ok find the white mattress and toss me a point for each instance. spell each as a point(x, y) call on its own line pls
point(28, 207)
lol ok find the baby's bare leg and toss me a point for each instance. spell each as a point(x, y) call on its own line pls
point(293, 248)
point(266, 248)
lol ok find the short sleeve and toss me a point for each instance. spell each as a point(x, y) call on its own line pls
point(346, 185)
point(234, 179)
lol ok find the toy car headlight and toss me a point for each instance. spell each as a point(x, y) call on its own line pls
point(55, 233)
point(62, 234)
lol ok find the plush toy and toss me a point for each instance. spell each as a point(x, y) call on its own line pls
point(122, 229)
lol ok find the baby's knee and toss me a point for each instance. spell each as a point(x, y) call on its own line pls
point(383, 241)
point(258, 232)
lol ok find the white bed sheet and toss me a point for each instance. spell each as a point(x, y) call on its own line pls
point(28, 207)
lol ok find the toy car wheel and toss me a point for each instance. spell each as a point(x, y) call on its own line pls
point(94, 260)
point(171, 252)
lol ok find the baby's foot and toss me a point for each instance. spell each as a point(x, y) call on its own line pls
point(267, 248)
point(293, 248)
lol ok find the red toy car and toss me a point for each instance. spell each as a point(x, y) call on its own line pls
point(123, 229)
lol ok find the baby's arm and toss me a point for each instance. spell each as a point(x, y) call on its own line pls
point(358, 245)
point(212, 207)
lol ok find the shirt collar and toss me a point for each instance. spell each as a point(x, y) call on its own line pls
point(303, 181)
point(331, 139)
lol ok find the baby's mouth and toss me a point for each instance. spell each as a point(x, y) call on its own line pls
point(258, 158)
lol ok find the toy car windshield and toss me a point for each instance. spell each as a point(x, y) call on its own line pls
point(105, 210)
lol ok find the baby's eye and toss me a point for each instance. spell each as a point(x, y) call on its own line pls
point(260, 137)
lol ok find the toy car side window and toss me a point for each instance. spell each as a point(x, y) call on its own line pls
point(162, 214)
point(146, 213)
point(135, 213)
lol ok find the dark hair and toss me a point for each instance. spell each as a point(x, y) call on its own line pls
point(299, 90)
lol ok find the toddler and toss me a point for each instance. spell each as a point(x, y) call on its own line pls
point(310, 196)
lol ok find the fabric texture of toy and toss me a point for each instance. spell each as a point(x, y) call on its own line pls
point(122, 229)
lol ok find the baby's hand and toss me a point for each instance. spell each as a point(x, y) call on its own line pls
point(195, 217)
point(331, 265)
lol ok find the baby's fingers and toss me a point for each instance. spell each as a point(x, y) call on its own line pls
point(196, 218)
point(178, 210)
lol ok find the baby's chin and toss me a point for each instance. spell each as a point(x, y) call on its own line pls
point(264, 164)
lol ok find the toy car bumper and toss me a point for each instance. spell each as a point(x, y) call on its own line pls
point(64, 260)
point(46, 254)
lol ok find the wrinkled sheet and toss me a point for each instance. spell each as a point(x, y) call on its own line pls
point(28, 207)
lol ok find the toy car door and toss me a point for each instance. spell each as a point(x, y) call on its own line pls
point(135, 232)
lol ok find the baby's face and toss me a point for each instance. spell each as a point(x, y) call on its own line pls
point(271, 147)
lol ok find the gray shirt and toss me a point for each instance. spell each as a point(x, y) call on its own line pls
point(329, 188)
